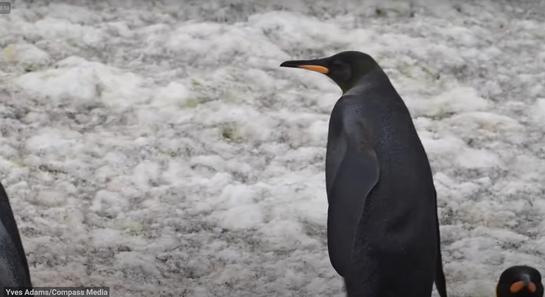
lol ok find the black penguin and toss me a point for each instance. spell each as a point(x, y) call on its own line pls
point(520, 281)
point(13, 263)
point(382, 227)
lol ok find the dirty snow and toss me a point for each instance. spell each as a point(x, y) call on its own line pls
point(160, 150)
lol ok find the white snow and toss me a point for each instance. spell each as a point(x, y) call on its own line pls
point(159, 147)
point(27, 55)
point(478, 159)
point(455, 100)
point(76, 80)
point(539, 110)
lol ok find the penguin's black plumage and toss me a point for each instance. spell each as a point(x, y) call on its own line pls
point(520, 281)
point(382, 229)
point(13, 263)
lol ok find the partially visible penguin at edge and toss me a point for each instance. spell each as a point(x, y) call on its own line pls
point(14, 270)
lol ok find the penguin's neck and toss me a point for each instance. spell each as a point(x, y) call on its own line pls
point(372, 79)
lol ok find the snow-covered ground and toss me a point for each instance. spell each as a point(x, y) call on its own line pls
point(160, 148)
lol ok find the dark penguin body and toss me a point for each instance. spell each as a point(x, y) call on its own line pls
point(383, 232)
point(520, 281)
point(13, 263)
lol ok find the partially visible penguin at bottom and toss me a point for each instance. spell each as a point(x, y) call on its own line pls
point(520, 281)
point(13, 263)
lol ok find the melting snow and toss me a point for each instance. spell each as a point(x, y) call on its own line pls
point(160, 147)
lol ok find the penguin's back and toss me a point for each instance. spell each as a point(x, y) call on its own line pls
point(396, 234)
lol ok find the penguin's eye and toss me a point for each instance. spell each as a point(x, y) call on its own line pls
point(337, 65)
point(341, 70)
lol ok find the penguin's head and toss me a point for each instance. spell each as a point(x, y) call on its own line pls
point(345, 68)
point(520, 281)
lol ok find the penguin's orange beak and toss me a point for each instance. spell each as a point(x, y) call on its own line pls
point(518, 286)
point(313, 65)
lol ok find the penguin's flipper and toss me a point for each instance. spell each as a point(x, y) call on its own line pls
point(11, 241)
point(440, 282)
point(356, 172)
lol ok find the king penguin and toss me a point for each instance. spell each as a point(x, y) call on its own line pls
point(13, 263)
point(520, 281)
point(382, 225)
